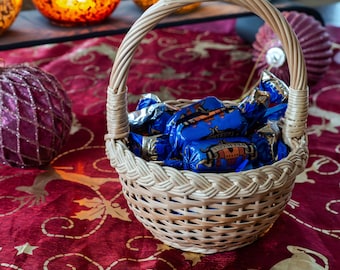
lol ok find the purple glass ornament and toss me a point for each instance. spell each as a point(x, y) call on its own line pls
point(35, 116)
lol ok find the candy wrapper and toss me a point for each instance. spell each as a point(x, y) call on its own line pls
point(265, 103)
point(254, 107)
point(275, 113)
point(147, 100)
point(219, 155)
point(202, 106)
point(203, 123)
point(151, 148)
point(269, 144)
point(150, 116)
point(276, 88)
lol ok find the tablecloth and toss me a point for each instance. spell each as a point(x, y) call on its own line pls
point(73, 215)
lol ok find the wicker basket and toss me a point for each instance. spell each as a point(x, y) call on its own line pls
point(207, 213)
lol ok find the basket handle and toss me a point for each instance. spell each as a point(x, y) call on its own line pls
point(297, 111)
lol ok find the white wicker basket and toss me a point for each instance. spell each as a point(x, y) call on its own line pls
point(207, 213)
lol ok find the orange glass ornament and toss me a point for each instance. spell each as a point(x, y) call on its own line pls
point(145, 4)
point(76, 12)
point(9, 10)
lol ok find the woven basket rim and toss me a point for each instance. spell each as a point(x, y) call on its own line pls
point(239, 183)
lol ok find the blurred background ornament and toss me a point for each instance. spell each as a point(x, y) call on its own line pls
point(35, 116)
point(145, 4)
point(9, 10)
point(76, 12)
point(314, 40)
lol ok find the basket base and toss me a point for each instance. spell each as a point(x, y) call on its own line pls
point(204, 235)
point(186, 218)
point(208, 245)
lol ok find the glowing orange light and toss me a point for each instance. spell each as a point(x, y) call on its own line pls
point(144, 4)
point(73, 12)
point(9, 9)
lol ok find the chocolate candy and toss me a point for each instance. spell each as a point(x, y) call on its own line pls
point(275, 113)
point(269, 144)
point(254, 107)
point(282, 150)
point(150, 120)
point(155, 148)
point(202, 123)
point(265, 148)
point(257, 107)
point(219, 155)
point(147, 100)
point(277, 89)
point(197, 108)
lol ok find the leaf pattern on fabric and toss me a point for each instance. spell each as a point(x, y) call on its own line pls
point(195, 258)
point(97, 208)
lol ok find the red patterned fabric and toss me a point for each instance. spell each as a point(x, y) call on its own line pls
point(73, 215)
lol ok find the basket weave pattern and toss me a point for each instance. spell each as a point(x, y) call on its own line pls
point(206, 213)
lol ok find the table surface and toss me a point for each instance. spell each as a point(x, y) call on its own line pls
point(26, 30)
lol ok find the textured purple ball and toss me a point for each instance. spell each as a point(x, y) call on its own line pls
point(35, 116)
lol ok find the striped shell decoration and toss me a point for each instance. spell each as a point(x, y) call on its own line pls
point(314, 40)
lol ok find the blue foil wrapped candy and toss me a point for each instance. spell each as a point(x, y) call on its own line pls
point(275, 113)
point(254, 107)
point(147, 100)
point(151, 148)
point(151, 119)
point(219, 155)
point(197, 108)
point(206, 121)
point(277, 89)
point(269, 144)
point(266, 102)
